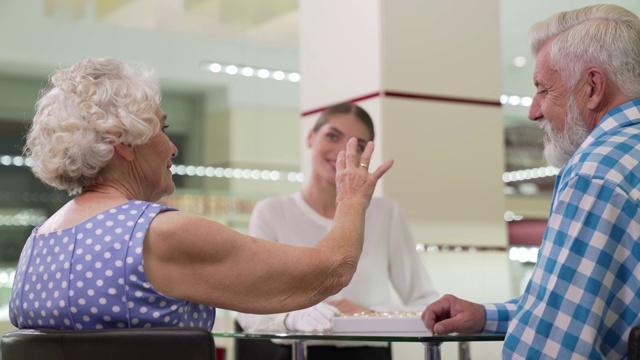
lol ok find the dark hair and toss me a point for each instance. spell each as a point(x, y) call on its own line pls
point(347, 108)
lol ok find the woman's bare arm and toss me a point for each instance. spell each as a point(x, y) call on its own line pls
point(212, 264)
point(195, 259)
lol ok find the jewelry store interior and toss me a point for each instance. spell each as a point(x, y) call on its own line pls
point(231, 76)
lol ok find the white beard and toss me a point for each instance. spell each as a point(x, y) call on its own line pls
point(559, 147)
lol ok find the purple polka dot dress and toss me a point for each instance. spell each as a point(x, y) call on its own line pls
point(92, 276)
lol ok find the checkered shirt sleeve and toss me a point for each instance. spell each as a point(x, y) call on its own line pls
point(498, 316)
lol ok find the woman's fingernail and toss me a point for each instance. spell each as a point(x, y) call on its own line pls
point(438, 329)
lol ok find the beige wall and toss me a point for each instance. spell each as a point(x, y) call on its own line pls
point(531, 207)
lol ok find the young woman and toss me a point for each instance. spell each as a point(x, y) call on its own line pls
point(389, 259)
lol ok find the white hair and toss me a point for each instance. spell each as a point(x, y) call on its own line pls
point(604, 36)
point(90, 107)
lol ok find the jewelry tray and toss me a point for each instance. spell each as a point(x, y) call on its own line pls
point(379, 322)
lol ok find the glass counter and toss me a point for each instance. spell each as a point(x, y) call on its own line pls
point(431, 342)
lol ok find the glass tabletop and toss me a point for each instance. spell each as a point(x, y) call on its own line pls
point(416, 337)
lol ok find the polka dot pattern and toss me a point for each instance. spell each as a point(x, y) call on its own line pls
point(91, 276)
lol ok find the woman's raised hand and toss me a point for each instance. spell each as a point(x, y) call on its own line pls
point(353, 179)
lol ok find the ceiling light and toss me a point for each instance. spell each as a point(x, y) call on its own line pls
point(193, 170)
point(250, 71)
point(231, 69)
point(520, 61)
point(528, 174)
point(247, 71)
point(528, 188)
point(511, 216)
point(215, 67)
point(292, 76)
point(275, 175)
point(524, 254)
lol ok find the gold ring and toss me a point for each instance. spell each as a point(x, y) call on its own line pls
point(364, 165)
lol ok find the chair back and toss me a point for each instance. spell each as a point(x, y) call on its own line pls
point(120, 344)
point(634, 344)
point(253, 349)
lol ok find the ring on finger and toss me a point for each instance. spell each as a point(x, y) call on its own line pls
point(364, 165)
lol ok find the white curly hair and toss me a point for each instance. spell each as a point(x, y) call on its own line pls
point(88, 108)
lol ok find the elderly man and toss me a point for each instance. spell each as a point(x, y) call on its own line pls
point(584, 294)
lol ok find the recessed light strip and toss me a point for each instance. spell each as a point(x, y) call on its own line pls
point(516, 100)
point(517, 253)
point(276, 175)
point(524, 254)
point(7, 275)
point(236, 173)
point(192, 170)
point(22, 219)
point(292, 76)
point(529, 174)
point(250, 71)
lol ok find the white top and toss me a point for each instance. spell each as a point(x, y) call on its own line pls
point(389, 260)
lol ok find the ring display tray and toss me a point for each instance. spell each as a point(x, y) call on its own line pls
point(379, 322)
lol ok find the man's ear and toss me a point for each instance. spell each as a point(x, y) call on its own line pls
point(597, 83)
point(125, 151)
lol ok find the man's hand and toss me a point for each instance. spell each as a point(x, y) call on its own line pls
point(450, 314)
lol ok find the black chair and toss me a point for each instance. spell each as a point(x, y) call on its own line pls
point(634, 344)
point(253, 349)
point(120, 344)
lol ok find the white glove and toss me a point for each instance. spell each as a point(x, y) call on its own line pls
point(314, 319)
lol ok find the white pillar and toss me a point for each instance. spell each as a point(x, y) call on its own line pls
point(428, 72)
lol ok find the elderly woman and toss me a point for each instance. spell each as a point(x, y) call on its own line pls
point(113, 257)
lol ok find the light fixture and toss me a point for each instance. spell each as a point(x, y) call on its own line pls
point(516, 100)
point(519, 61)
point(524, 254)
point(7, 275)
point(292, 76)
point(22, 219)
point(511, 216)
point(528, 174)
point(276, 175)
point(194, 170)
point(250, 71)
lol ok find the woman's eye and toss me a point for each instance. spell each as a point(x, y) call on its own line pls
point(360, 148)
point(333, 137)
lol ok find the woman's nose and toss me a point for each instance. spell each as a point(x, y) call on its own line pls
point(175, 150)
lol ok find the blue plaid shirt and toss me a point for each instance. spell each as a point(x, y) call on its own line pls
point(584, 295)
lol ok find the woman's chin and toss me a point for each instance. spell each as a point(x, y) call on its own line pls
point(170, 190)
